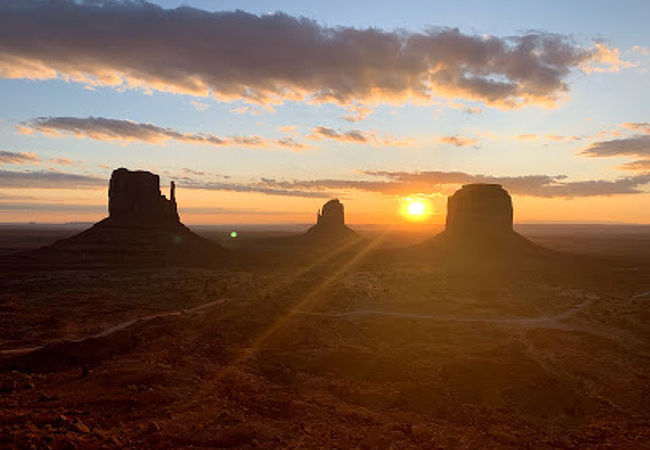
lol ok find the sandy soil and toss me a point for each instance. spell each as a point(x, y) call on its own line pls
point(356, 350)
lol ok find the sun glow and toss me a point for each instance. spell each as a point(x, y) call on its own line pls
point(415, 209)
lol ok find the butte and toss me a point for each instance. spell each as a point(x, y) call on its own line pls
point(142, 228)
point(330, 225)
point(480, 224)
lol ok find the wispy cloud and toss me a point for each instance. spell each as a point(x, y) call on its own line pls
point(276, 57)
point(381, 182)
point(357, 137)
point(44, 179)
point(65, 162)
point(638, 145)
point(458, 141)
point(431, 182)
point(199, 106)
point(104, 129)
point(641, 165)
point(356, 113)
point(643, 127)
point(18, 157)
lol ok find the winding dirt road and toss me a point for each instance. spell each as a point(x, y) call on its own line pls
point(117, 327)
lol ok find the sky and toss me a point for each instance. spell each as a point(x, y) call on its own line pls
point(262, 111)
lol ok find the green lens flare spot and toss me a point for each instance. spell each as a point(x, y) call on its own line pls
point(233, 234)
point(177, 239)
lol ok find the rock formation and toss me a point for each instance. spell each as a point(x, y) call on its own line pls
point(134, 198)
point(479, 223)
point(143, 227)
point(484, 209)
point(330, 223)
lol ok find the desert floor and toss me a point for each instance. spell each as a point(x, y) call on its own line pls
point(355, 347)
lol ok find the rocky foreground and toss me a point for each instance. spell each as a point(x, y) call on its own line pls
point(343, 352)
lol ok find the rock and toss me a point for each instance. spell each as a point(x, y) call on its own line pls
point(134, 198)
point(479, 209)
point(332, 214)
point(81, 427)
point(153, 427)
point(330, 223)
point(143, 228)
point(480, 223)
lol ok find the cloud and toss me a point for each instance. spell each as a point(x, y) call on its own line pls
point(381, 182)
point(192, 172)
point(64, 162)
point(606, 59)
point(199, 106)
point(356, 137)
point(431, 182)
point(274, 58)
point(255, 187)
point(472, 110)
point(43, 179)
point(289, 129)
point(104, 129)
point(247, 110)
point(58, 207)
point(18, 158)
point(356, 113)
point(644, 127)
point(458, 141)
point(638, 145)
point(640, 165)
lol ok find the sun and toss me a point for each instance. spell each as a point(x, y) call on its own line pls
point(415, 209)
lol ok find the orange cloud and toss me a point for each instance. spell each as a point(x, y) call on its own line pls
point(642, 165)
point(606, 59)
point(458, 141)
point(644, 127)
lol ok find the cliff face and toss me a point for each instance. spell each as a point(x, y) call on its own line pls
point(484, 209)
point(330, 222)
point(134, 198)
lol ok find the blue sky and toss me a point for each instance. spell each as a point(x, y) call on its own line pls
point(606, 100)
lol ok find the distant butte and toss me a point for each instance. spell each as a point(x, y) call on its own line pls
point(479, 210)
point(134, 198)
point(330, 223)
point(480, 222)
point(143, 227)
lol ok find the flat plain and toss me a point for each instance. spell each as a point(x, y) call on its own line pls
point(365, 346)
